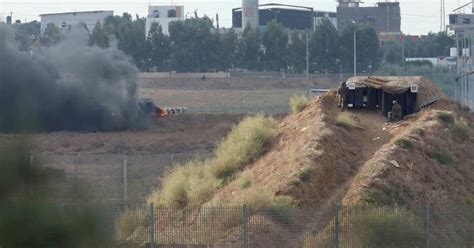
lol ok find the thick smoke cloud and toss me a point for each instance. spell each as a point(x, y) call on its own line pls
point(67, 87)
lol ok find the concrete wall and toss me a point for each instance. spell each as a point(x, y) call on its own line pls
point(65, 20)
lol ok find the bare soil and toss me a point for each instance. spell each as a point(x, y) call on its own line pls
point(188, 133)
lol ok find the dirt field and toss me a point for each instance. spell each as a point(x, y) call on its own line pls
point(91, 164)
point(229, 95)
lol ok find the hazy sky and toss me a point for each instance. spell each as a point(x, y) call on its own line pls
point(418, 16)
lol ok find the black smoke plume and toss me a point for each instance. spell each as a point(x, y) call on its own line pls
point(67, 87)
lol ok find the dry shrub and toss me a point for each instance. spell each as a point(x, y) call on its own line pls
point(186, 185)
point(345, 120)
point(244, 181)
point(442, 158)
point(301, 176)
point(254, 198)
point(460, 129)
point(446, 118)
point(244, 144)
point(298, 103)
point(258, 199)
point(194, 183)
point(404, 143)
point(383, 227)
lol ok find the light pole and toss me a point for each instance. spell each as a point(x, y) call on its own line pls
point(276, 12)
point(355, 49)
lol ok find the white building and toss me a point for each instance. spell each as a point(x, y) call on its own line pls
point(68, 19)
point(163, 15)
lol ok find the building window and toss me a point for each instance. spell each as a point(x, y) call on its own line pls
point(453, 19)
point(156, 14)
point(171, 13)
point(63, 25)
point(466, 21)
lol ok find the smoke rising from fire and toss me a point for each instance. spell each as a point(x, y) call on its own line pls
point(67, 87)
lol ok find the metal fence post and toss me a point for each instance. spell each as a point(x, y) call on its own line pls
point(125, 180)
point(428, 226)
point(337, 226)
point(32, 160)
point(245, 226)
point(152, 226)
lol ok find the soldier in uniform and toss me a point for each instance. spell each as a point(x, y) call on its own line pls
point(342, 93)
point(396, 112)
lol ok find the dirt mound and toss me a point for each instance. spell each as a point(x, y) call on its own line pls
point(319, 163)
point(425, 159)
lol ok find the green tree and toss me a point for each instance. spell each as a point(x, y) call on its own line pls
point(275, 41)
point(367, 48)
point(99, 36)
point(392, 52)
point(194, 47)
point(158, 49)
point(130, 35)
point(26, 34)
point(297, 52)
point(324, 46)
point(227, 50)
point(429, 46)
point(51, 36)
point(249, 49)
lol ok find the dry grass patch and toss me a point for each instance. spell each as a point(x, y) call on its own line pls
point(245, 143)
point(442, 158)
point(404, 143)
point(244, 181)
point(186, 185)
point(258, 199)
point(298, 103)
point(345, 120)
point(385, 228)
point(194, 183)
point(446, 118)
point(460, 129)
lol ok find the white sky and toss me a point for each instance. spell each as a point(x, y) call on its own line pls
point(418, 16)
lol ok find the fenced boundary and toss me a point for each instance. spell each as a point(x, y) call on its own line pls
point(146, 225)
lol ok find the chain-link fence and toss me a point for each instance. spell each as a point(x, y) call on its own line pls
point(108, 177)
point(149, 226)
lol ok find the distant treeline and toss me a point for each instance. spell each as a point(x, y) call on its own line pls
point(194, 45)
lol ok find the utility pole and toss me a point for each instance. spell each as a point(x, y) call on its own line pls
point(355, 53)
point(442, 23)
point(307, 55)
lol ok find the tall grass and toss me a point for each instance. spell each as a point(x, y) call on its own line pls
point(298, 103)
point(195, 183)
point(245, 143)
point(186, 185)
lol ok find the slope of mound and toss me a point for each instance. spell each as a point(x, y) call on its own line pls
point(319, 162)
point(436, 168)
point(314, 158)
